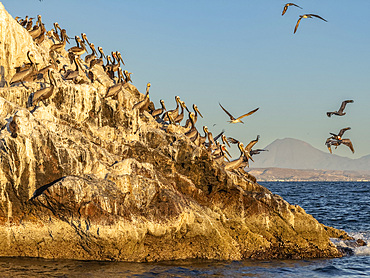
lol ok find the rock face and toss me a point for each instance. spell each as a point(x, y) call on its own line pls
point(88, 178)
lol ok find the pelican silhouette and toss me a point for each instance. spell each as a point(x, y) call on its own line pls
point(341, 109)
point(307, 16)
point(237, 120)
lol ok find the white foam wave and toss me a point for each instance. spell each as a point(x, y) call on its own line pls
point(362, 251)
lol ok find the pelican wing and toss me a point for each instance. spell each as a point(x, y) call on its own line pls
point(249, 113)
point(348, 143)
point(231, 116)
point(285, 9)
point(232, 140)
point(343, 105)
point(251, 144)
point(296, 26)
point(341, 132)
point(315, 15)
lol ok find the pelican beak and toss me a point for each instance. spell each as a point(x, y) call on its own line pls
point(226, 151)
point(200, 114)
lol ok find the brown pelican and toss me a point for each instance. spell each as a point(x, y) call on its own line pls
point(29, 24)
point(287, 5)
point(79, 49)
point(220, 156)
point(92, 56)
point(119, 57)
point(24, 21)
point(307, 16)
point(174, 112)
point(59, 47)
point(341, 109)
point(24, 74)
point(99, 61)
point(72, 75)
point(84, 38)
point(113, 90)
point(251, 144)
point(237, 120)
point(196, 110)
point(55, 32)
point(157, 112)
point(45, 93)
point(41, 37)
point(13, 127)
point(143, 105)
point(237, 162)
point(35, 32)
point(179, 118)
point(193, 131)
point(128, 76)
point(336, 140)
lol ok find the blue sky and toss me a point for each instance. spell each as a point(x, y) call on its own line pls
point(240, 53)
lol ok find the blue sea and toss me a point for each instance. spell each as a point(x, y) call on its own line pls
point(343, 205)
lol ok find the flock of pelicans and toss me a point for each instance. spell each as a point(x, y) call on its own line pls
point(301, 16)
point(82, 73)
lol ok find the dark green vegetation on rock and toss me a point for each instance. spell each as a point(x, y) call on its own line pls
point(89, 178)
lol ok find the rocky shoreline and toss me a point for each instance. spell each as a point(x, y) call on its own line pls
point(89, 178)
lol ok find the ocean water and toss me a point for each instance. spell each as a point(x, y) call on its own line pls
point(343, 205)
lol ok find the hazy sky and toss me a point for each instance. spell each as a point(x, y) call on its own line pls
point(240, 53)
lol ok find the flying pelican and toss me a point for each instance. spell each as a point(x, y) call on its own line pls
point(336, 140)
point(45, 93)
point(341, 109)
point(257, 151)
point(287, 5)
point(306, 16)
point(237, 120)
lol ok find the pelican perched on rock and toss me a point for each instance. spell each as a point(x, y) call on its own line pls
point(237, 120)
point(79, 49)
point(287, 5)
point(307, 16)
point(73, 74)
point(21, 76)
point(59, 47)
point(127, 76)
point(99, 61)
point(193, 130)
point(157, 112)
point(113, 90)
point(237, 162)
point(143, 105)
point(179, 118)
point(45, 93)
point(340, 112)
point(196, 110)
point(92, 56)
point(174, 112)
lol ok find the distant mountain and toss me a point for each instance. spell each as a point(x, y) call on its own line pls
point(296, 154)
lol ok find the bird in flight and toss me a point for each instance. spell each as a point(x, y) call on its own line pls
point(336, 140)
point(237, 120)
point(307, 16)
point(341, 109)
point(287, 5)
